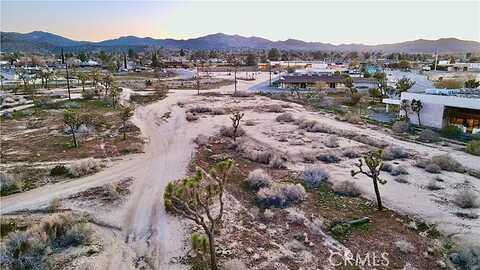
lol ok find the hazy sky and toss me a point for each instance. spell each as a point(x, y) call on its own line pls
point(369, 22)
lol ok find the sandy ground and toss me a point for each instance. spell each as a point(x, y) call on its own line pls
point(151, 237)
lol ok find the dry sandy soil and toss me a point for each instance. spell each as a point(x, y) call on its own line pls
point(151, 238)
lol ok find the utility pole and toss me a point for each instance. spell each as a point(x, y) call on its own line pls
point(68, 77)
point(270, 73)
point(436, 60)
point(235, 76)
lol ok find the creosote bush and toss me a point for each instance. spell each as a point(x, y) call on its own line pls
point(452, 132)
point(347, 188)
point(305, 123)
point(258, 179)
point(275, 108)
point(401, 127)
point(447, 163)
point(229, 131)
point(285, 117)
point(392, 152)
point(84, 167)
point(428, 136)
point(473, 147)
point(433, 168)
point(329, 157)
point(387, 167)
point(59, 170)
point(332, 142)
point(399, 170)
point(200, 109)
point(467, 199)
point(281, 195)
point(314, 175)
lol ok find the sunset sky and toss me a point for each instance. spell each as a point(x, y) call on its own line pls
point(336, 22)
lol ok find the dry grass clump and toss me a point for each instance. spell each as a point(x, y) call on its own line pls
point(321, 128)
point(260, 156)
point(55, 204)
point(329, 157)
point(351, 153)
point(392, 152)
point(281, 195)
point(217, 111)
point(404, 246)
point(30, 249)
point(285, 117)
point(305, 123)
point(447, 163)
point(428, 136)
point(84, 167)
point(399, 170)
point(309, 157)
point(249, 122)
point(111, 192)
point(314, 175)
point(433, 168)
point(277, 162)
point(201, 140)
point(332, 142)
point(243, 94)
point(347, 188)
point(387, 167)
point(200, 109)
point(433, 185)
point(353, 118)
point(467, 199)
point(258, 179)
point(368, 140)
point(275, 108)
point(401, 179)
point(400, 127)
point(229, 131)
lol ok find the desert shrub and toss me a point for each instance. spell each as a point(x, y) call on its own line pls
point(466, 199)
point(321, 128)
point(55, 204)
point(309, 157)
point(347, 188)
point(452, 132)
point(59, 170)
point(281, 195)
point(7, 181)
point(467, 258)
point(351, 153)
point(353, 118)
point(71, 105)
point(249, 122)
point(401, 179)
point(428, 136)
point(387, 167)
point(201, 140)
point(285, 117)
point(473, 147)
point(234, 264)
point(275, 108)
point(400, 127)
point(78, 234)
point(200, 109)
point(447, 163)
point(433, 168)
point(258, 179)
point(218, 111)
point(422, 163)
point(191, 117)
point(295, 216)
point(314, 175)
point(404, 246)
point(332, 142)
point(260, 156)
point(277, 162)
point(84, 167)
point(268, 215)
point(243, 94)
point(368, 140)
point(88, 93)
point(23, 250)
point(399, 170)
point(449, 84)
point(305, 123)
point(328, 157)
point(229, 131)
point(392, 152)
point(111, 192)
point(433, 185)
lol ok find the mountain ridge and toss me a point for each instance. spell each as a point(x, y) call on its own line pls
point(45, 42)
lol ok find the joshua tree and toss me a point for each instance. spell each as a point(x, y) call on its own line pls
point(73, 120)
point(193, 196)
point(373, 162)
point(107, 82)
point(1, 81)
point(405, 107)
point(125, 114)
point(83, 77)
point(417, 107)
point(95, 76)
point(404, 84)
point(25, 77)
point(236, 117)
point(472, 83)
point(198, 82)
point(114, 93)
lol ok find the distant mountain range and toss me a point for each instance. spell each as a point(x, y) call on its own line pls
point(43, 42)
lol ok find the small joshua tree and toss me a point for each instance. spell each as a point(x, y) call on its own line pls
point(73, 120)
point(417, 107)
point(192, 198)
point(125, 113)
point(373, 162)
point(405, 107)
point(114, 94)
point(236, 117)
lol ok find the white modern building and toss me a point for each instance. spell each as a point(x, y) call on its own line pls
point(442, 107)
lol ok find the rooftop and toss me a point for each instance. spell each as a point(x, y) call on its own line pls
point(312, 78)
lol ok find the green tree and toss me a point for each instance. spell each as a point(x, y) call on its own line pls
point(375, 94)
point(373, 162)
point(251, 60)
point(273, 54)
point(404, 84)
point(193, 196)
point(472, 83)
point(125, 113)
point(82, 56)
